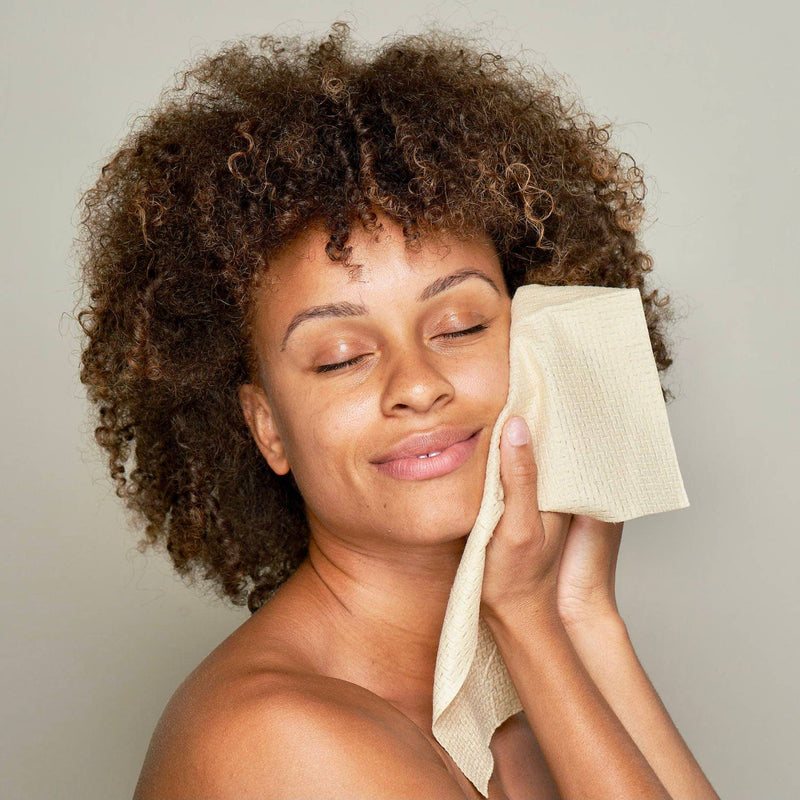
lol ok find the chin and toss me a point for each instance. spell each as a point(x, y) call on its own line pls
point(444, 526)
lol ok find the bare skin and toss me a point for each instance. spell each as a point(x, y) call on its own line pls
point(327, 690)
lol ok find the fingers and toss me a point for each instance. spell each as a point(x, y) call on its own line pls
point(519, 475)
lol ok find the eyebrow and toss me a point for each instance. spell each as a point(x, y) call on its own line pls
point(345, 309)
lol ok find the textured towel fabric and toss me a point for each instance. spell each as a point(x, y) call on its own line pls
point(583, 375)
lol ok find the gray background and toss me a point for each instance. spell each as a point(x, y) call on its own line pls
point(96, 637)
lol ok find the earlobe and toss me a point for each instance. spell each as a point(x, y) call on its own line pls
point(261, 421)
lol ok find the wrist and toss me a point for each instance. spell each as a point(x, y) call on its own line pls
point(589, 614)
point(530, 617)
point(607, 626)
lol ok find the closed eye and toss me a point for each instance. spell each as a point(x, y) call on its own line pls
point(466, 332)
point(331, 367)
point(351, 361)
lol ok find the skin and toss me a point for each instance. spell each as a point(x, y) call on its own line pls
point(548, 599)
point(384, 551)
point(327, 689)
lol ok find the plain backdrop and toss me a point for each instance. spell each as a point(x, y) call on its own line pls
point(96, 637)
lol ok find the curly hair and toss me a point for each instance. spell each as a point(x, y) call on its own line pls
point(249, 146)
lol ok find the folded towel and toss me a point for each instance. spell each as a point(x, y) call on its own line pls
point(583, 375)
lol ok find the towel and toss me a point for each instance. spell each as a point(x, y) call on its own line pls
point(583, 375)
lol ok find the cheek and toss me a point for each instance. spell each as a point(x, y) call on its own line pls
point(486, 378)
point(327, 435)
point(325, 428)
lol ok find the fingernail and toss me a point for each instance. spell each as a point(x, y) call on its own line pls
point(517, 431)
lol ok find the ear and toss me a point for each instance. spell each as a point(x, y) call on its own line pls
point(260, 419)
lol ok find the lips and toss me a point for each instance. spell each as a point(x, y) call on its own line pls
point(422, 468)
point(424, 443)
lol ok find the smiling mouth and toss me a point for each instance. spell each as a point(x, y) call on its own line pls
point(431, 465)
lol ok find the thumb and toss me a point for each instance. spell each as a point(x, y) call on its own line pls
point(517, 453)
point(518, 474)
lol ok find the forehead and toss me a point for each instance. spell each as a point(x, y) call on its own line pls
point(303, 266)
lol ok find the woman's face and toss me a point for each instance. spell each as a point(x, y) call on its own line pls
point(417, 343)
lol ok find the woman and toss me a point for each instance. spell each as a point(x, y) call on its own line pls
point(300, 271)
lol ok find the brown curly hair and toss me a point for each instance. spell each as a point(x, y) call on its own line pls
point(250, 145)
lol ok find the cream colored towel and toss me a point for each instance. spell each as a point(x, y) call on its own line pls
point(583, 375)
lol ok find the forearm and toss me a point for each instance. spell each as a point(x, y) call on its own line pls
point(605, 649)
point(587, 748)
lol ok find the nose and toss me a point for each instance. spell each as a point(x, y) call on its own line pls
point(416, 382)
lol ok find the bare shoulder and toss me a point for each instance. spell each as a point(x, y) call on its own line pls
point(288, 735)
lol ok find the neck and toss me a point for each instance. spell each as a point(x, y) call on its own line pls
point(378, 616)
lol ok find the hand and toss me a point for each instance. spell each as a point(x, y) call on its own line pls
point(587, 572)
point(524, 553)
